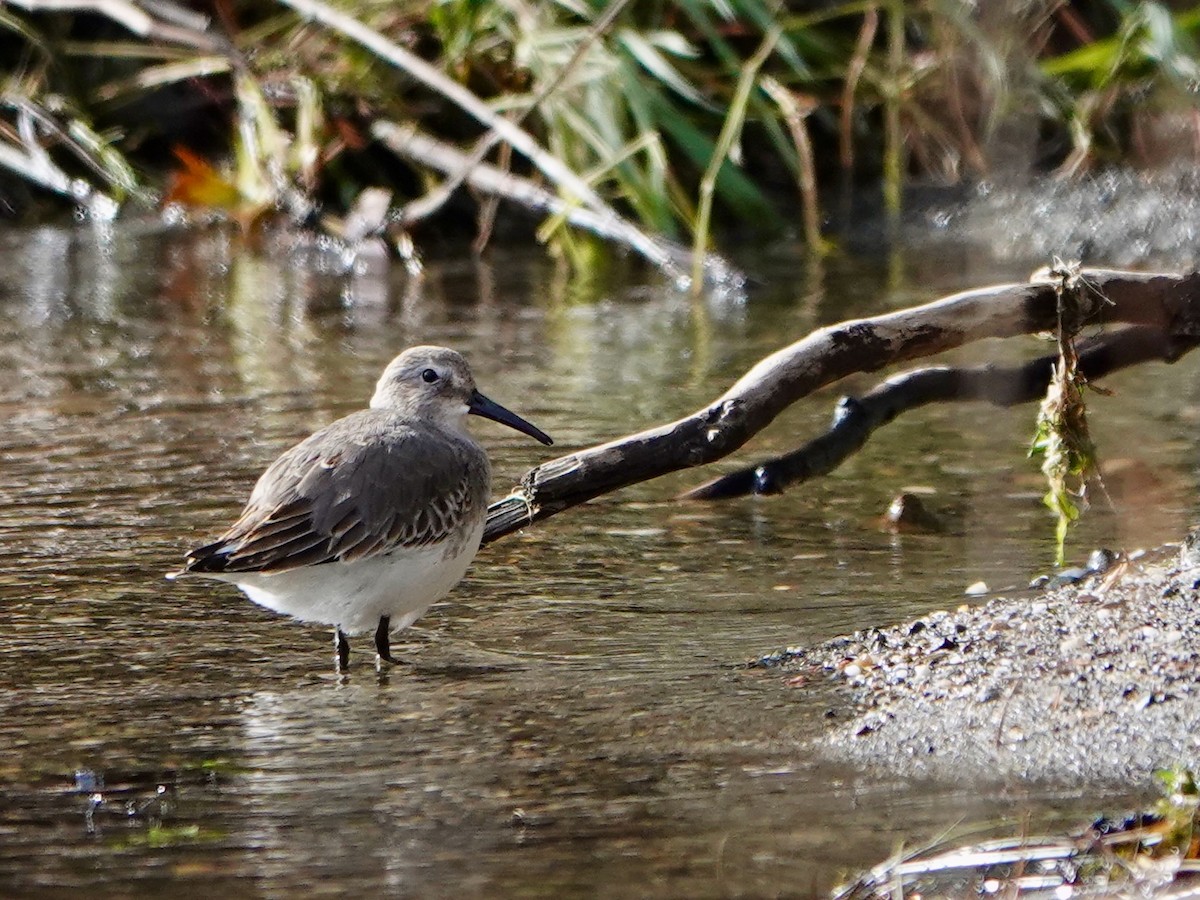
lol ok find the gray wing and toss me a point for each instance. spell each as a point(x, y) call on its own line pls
point(364, 486)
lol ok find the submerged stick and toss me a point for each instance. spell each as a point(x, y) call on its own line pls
point(1169, 303)
point(856, 418)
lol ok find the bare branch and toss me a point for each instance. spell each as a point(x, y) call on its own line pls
point(407, 141)
point(437, 197)
point(183, 27)
point(1171, 303)
point(856, 418)
point(567, 181)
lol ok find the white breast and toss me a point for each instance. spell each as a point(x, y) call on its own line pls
point(402, 585)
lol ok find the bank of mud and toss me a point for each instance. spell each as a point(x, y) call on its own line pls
point(1095, 680)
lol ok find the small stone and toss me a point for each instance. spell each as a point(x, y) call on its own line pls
point(1140, 699)
point(908, 513)
point(1072, 645)
point(1100, 560)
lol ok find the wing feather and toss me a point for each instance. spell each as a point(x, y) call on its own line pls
point(366, 485)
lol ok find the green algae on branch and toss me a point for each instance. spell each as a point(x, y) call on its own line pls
point(1062, 437)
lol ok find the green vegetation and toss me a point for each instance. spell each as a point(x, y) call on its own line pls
point(672, 119)
point(1062, 437)
point(162, 836)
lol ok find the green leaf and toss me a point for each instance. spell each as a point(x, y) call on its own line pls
point(733, 187)
point(649, 57)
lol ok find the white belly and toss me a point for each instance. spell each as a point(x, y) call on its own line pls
point(353, 596)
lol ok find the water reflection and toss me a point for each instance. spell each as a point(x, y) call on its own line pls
point(578, 720)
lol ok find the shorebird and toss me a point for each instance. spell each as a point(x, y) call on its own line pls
point(369, 521)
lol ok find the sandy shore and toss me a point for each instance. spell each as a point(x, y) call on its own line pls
point(1097, 680)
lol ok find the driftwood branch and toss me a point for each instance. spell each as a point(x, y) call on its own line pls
point(1169, 304)
point(855, 419)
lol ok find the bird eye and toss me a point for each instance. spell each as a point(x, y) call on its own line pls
point(429, 376)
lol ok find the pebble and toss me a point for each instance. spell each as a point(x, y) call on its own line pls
point(1057, 686)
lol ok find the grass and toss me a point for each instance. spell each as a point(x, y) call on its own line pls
point(686, 120)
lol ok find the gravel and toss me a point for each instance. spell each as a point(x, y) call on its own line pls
point(1097, 680)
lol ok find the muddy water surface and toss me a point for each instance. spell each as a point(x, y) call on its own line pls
point(579, 722)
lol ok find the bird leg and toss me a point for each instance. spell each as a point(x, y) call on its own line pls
point(383, 641)
point(342, 647)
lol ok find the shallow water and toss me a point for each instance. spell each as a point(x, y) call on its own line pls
point(579, 721)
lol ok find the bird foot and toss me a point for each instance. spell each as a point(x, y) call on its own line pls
point(383, 643)
point(341, 647)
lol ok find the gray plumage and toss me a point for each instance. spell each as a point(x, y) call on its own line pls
point(374, 517)
point(364, 486)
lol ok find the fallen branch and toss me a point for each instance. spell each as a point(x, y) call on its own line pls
point(437, 197)
point(558, 172)
point(181, 26)
point(1168, 303)
point(407, 141)
point(855, 419)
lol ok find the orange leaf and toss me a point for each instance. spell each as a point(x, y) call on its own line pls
point(199, 184)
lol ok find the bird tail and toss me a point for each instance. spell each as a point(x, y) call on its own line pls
point(209, 559)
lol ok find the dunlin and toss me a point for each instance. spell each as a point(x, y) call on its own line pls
point(369, 521)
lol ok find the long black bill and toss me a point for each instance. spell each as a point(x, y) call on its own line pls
point(490, 409)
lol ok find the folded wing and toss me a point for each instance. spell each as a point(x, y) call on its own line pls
point(362, 487)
